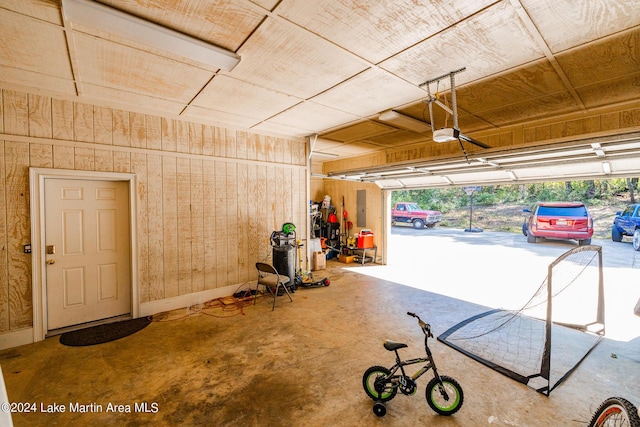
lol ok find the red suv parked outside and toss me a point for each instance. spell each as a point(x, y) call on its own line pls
point(558, 220)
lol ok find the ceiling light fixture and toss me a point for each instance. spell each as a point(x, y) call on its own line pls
point(113, 21)
point(404, 121)
point(606, 168)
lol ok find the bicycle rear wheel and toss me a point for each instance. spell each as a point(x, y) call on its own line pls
point(382, 391)
point(615, 412)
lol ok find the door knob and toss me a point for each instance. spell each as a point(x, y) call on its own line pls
point(51, 261)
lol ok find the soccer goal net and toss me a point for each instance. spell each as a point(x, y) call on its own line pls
point(544, 341)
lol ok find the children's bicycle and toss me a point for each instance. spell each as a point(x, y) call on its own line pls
point(616, 412)
point(444, 394)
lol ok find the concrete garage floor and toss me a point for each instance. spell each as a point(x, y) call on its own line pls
point(302, 364)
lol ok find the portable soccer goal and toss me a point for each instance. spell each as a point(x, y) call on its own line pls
point(544, 341)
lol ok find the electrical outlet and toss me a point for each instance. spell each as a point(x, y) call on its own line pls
point(27, 249)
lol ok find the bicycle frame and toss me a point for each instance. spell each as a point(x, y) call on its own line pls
point(401, 364)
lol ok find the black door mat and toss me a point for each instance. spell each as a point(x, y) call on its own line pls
point(104, 333)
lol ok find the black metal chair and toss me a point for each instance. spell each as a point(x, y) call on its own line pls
point(269, 277)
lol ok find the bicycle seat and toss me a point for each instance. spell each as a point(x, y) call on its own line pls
point(392, 345)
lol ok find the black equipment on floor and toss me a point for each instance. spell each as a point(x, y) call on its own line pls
point(331, 231)
point(283, 245)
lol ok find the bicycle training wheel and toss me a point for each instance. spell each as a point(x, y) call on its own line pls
point(444, 405)
point(386, 391)
point(615, 412)
point(379, 409)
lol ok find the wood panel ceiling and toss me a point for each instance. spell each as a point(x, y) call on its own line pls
point(330, 67)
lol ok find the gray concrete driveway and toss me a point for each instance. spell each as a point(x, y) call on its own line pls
point(502, 270)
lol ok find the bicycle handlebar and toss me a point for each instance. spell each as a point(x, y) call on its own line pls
point(426, 328)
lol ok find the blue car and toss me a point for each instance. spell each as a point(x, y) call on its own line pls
point(627, 223)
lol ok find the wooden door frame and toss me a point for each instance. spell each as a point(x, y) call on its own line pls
point(37, 177)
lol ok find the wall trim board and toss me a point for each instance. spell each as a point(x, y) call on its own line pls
point(118, 148)
point(16, 338)
point(187, 300)
point(37, 177)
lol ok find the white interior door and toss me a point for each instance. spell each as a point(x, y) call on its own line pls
point(87, 251)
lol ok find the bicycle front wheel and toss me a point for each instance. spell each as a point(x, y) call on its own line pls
point(446, 399)
point(615, 412)
point(380, 390)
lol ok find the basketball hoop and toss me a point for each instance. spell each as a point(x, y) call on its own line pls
point(471, 190)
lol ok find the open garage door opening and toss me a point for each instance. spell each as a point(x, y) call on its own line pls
point(511, 208)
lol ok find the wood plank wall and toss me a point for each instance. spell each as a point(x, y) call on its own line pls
point(208, 197)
